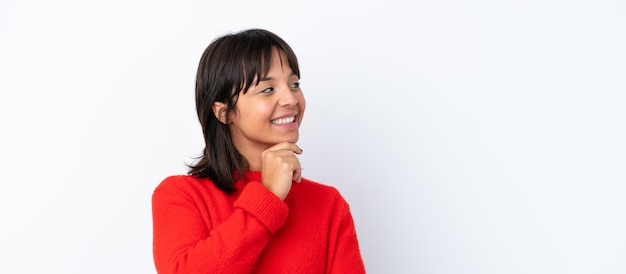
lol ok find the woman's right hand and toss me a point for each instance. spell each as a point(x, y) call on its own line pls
point(280, 167)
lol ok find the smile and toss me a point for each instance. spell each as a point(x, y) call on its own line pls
point(283, 121)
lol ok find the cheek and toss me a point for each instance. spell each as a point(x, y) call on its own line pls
point(263, 111)
point(258, 113)
point(249, 111)
point(302, 103)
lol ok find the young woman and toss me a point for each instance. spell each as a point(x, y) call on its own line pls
point(244, 207)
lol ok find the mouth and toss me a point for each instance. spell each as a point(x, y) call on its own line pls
point(284, 120)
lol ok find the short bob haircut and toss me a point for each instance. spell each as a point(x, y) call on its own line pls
point(230, 65)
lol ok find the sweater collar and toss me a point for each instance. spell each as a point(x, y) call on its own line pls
point(253, 176)
point(250, 176)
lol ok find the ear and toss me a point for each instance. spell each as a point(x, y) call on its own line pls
point(219, 109)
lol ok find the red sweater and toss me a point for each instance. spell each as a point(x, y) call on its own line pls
point(200, 229)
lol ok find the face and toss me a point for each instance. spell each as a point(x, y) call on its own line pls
point(270, 112)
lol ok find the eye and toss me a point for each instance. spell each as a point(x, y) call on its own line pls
point(267, 90)
point(295, 85)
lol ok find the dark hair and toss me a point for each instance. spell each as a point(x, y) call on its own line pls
point(230, 65)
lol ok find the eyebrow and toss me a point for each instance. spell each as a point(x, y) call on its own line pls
point(272, 78)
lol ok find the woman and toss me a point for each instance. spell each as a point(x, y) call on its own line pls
point(244, 207)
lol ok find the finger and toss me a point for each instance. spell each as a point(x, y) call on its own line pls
point(286, 146)
point(297, 171)
point(297, 175)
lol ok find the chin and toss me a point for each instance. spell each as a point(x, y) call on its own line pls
point(291, 139)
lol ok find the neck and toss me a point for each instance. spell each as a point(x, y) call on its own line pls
point(254, 162)
point(252, 154)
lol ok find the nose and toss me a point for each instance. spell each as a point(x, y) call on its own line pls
point(287, 98)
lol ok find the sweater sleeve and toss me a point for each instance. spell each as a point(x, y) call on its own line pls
point(344, 254)
point(184, 243)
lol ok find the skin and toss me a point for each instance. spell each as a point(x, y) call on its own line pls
point(269, 147)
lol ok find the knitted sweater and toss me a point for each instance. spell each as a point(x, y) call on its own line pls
point(200, 229)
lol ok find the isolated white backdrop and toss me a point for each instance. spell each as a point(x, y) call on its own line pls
point(468, 136)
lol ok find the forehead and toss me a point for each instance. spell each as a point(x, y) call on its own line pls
point(278, 64)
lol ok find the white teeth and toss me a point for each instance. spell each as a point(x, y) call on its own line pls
point(283, 121)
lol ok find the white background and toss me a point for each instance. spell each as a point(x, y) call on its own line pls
point(468, 136)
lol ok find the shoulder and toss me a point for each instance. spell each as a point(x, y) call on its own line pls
point(318, 191)
point(180, 184)
point(318, 187)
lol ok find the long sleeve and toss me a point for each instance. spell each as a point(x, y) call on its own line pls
point(343, 248)
point(186, 241)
